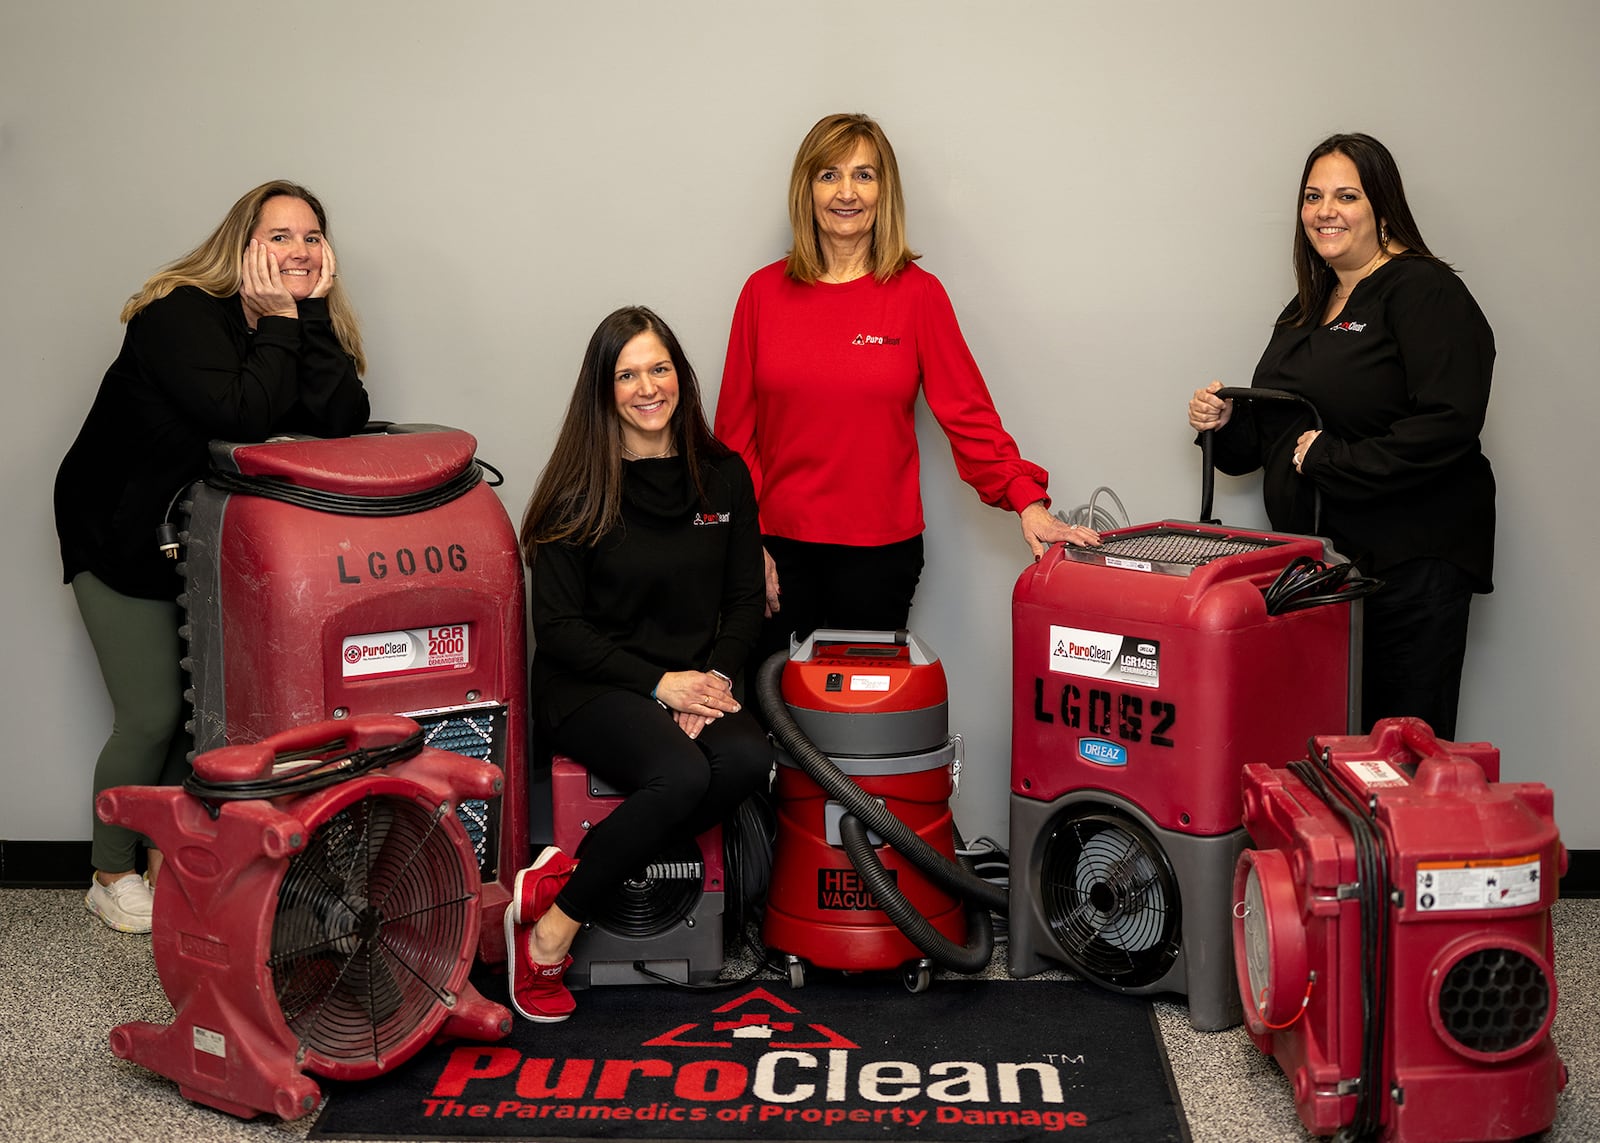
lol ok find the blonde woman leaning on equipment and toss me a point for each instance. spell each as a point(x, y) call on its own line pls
point(248, 334)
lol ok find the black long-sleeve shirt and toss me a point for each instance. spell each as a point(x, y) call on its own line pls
point(677, 585)
point(1401, 379)
point(190, 371)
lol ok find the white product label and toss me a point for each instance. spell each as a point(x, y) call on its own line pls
point(209, 1042)
point(1374, 773)
point(1127, 564)
point(1504, 883)
point(1103, 655)
point(869, 682)
point(407, 652)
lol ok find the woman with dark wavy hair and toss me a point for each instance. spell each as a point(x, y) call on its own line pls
point(645, 559)
point(1387, 343)
point(248, 334)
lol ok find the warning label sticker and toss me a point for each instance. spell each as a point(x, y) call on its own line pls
point(406, 652)
point(1103, 655)
point(1500, 883)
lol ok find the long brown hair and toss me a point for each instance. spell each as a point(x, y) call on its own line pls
point(213, 266)
point(578, 498)
point(1380, 182)
point(827, 144)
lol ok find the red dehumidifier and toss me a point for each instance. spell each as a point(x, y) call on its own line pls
point(318, 912)
point(876, 704)
point(1147, 673)
point(1393, 939)
point(374, 574)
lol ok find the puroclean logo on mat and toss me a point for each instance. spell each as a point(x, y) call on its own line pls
point(757, 1067)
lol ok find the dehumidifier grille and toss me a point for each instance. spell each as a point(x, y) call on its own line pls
point(1494, 1000)
point(1169, 546)
point(478, 733)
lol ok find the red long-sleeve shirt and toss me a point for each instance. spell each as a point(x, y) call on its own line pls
point(818, 396)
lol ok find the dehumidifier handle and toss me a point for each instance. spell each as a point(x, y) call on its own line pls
point(1208, 474)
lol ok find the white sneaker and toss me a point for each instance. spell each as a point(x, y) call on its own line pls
point(126, 904)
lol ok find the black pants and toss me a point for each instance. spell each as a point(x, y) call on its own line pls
point(840, 586)
point(678, 787)
point(1414, 642)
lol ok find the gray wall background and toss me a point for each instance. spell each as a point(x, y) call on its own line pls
point(1108, 192)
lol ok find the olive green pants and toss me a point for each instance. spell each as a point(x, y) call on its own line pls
point(136, 642)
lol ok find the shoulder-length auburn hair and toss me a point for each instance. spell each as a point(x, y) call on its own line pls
point(213, 266)
point(1380, 182)
point(828, 144)
point(579, 494)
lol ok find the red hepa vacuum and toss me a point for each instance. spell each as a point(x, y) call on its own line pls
point(1393, 939)
point(371, 574)
point(864, 871)
point(318, 912)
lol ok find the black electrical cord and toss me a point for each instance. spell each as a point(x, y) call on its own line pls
point(349, 504)
point(1374, 892)
point(319, 773)
point(1305, 582)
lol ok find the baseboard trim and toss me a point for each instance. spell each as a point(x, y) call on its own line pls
point(65, 864)
point(44, 864)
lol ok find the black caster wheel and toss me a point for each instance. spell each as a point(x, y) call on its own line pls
point(797, 971)
point(917, 975)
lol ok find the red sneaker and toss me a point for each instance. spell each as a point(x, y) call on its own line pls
point(536, 989)
point(536, 887)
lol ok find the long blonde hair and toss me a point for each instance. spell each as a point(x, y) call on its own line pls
point(826, 144)
point(213, 266)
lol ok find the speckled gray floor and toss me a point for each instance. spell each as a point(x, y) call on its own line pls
point(65, 980)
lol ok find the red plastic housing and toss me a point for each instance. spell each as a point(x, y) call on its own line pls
point(1212, 680)
point(230, 1045)
point(819, 909)
point(1474, 866)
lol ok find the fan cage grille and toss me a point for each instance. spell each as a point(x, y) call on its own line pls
point(659, 897)
point(372, 925)
point(1110, 898)
point(479, 734)
point(1494, 1000)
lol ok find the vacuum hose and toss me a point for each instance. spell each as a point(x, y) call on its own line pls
point(868, 813)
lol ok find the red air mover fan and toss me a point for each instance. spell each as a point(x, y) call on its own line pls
point(1147, 673)
point(375, 574)
point(668, 915)
point(875, 704)
point(1394, 877)
point(329, 931)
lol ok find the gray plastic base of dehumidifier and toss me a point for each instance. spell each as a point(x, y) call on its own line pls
point(1203, 970)
point(688, 953)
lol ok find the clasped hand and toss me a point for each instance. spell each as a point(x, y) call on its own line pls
point(696, 698)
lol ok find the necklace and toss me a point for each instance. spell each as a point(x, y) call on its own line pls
point(1366, 271)
point(640, 456)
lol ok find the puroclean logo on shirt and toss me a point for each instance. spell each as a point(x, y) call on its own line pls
point(873, 339)
point(708, 519)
